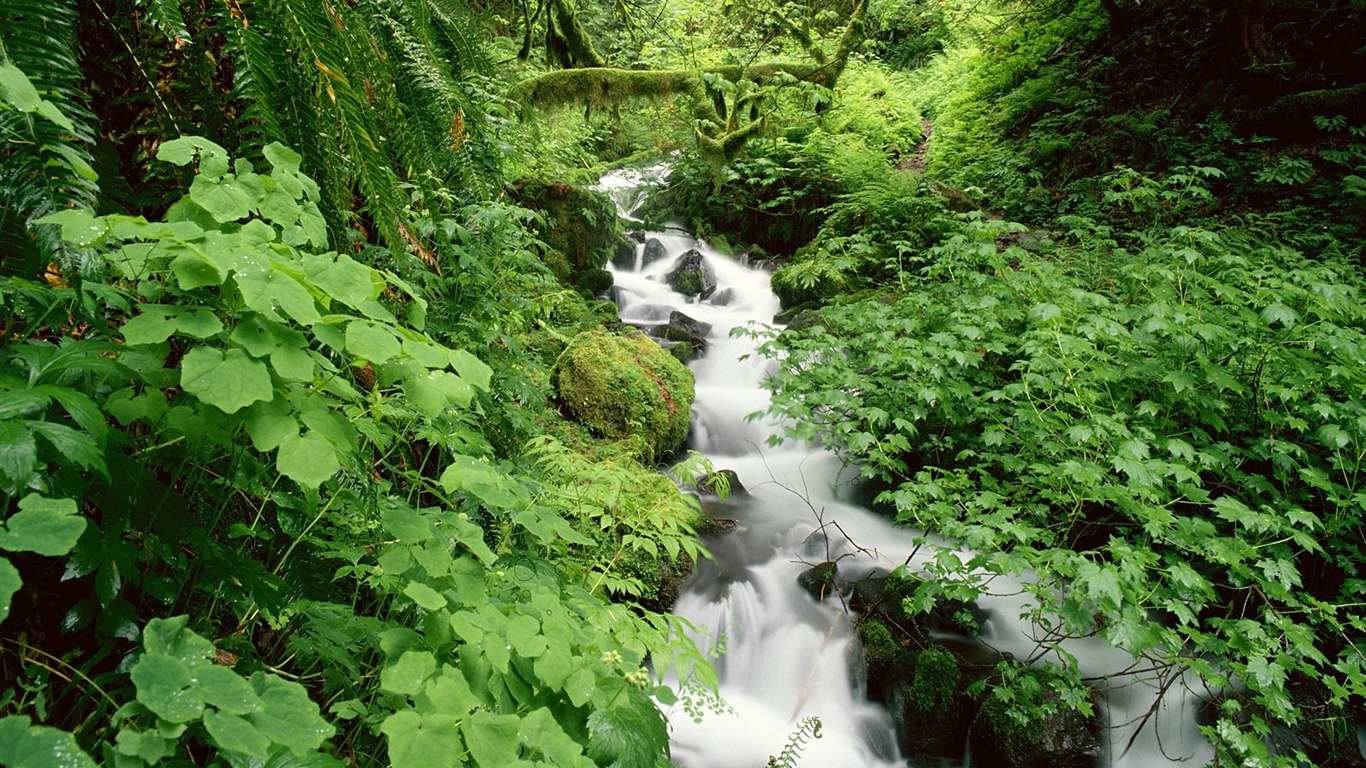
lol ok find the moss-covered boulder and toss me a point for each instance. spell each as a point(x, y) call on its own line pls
point(692, 274)
point(622, 385)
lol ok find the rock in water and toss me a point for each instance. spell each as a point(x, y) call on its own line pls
point(654, 251)
point(692, 274)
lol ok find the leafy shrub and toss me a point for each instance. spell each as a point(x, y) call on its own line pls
point(1170, 431)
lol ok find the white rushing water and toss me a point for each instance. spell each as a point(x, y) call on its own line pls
point(782, 655)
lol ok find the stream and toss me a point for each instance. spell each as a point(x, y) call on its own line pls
point(782, 656)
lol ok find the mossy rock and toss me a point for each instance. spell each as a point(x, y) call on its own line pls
point(592, 282)
point(580, 224)
point(622, 385)
point(935, 710)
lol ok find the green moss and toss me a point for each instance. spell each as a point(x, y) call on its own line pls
point(624, 385)
point(880, 648)
point(580, 226)
point(935, 685)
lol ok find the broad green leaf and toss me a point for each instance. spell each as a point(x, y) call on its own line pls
point(48, 527)
point(288, 716)
point(317, 414)
point(148, 746)
point(293, 364)
point(1280, 313)
point(236, 734)
point(19, 92)
point(269, 423)
point(554, 667)
point(472, 536)
point(540, 731)
point(406, 523)
point(371, 341)
point(254, 335)
point(157, 322)
point(272, 289)
point(10, 582)
point(282, 158)
point(427, 355)
point(213, 159)
point(422, 741)
point(198, 323)
point(492, 739)
point(580, 686)
point(227, 690)
point(485, 482)
point(308, 459)
point(1045, 312)
point(450, 692)
point(172, 637)
point(407, 675)
point(18, 452)
point(627, 736)
point(312, 225)
point(195, 268)
point(471, 369)
point(281, 757)
point(432, 393)
point(38, 746)
point(80, 226)
point(1102, 584)
point(224, 198)
point(425, 596)
point(282, 208)
point(166, 687)
point(349, 281)
point(548, 526)
point(229, 382)
point(524, 633)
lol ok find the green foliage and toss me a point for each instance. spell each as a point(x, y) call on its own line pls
point(230, 251)
point(36, 746)
point(633, 517)
point(1172, 430)
point(45, 135)
point(180, 689)
point(425, 583)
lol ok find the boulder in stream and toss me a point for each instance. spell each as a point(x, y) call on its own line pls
point(685, 329)
point(819, 580)
point(692, 274)
point(624, 256)
point(654, 251)
point(624, 385)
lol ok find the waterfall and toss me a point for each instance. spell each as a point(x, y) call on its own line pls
point(783, 656)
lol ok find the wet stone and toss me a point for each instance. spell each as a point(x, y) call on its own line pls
point(691, 274)
point(654, 251)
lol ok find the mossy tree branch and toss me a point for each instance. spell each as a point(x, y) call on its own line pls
point(721, 129)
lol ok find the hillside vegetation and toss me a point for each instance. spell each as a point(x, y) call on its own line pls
point(288, 478)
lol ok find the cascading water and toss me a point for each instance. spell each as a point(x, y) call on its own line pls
point(783, 656)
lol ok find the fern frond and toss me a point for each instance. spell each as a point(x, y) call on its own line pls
point(808, 729)
point(45, 165)
point(165, 15)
